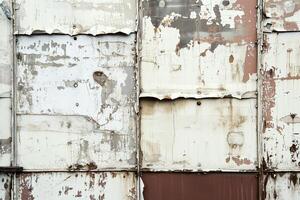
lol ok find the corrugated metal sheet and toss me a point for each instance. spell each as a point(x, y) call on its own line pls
point(198, 49)
point(86, 86)
point(175, 186)
point(281, 86)
point(5, 187)
point(75, 17)
point(5, 48)
point(5, 132)
point(198, 135)
point(282, 15)
point(92, 186)
point(282, 186)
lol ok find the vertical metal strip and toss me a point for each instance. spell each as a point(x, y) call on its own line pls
point(259, 98)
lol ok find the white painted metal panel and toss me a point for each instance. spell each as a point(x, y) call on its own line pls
point(86, 77)
point(198, 49)
point(198, 135)
point(281, 88)
point(282, 186)
point(72, 143)
point(82, 186)
point(5, 48)
point(281, 15)
point(5, 132)
point(5, 187)
point(76, 17)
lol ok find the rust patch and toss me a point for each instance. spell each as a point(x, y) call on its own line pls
point(100, 78)
point(250, 63)
point(26, 188)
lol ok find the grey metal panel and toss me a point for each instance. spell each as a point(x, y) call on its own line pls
point(84, 82)
point(76, 17)
point(191, 135)
point(281, 93)
point(82, 186)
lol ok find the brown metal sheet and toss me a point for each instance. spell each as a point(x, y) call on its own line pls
point(180, 186)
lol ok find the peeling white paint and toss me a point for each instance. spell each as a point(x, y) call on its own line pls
point(5, 186)
point(5, 132)
point(198, 135)
point(5, 51)
point(82, 186)
point(76, 17)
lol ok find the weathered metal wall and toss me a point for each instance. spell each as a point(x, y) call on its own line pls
point(127, 99)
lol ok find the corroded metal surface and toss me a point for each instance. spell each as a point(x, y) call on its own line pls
point(5, 187)
point(82, 186)
point(198, 49)
point(176, 186)
point(5, 48)
point(5, 132)
point(281, 15)
point(76, 97)
point(281, 93)
point(282, 186)
point(198, 135)
point(75, 17)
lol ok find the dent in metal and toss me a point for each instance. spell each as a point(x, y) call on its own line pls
point(198, 49)
point(76, 17)
point(281, 102)
point(198, 135)
point(91, 186)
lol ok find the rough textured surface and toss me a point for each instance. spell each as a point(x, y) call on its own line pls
point(5, 132)
point(76, 17)
point(76, 94)
point(176, 186)
point(82, 186)
point(5, 49)
point(281, 93)
point(281, 186)
point(198, 135)
point(281, 15)
point(198, 49)
point(5, 187)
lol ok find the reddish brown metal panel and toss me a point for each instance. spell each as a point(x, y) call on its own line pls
point(179, 186)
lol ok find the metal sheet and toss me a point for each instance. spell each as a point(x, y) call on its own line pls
point(5, 187)
point(92, 186)
point(281, 15)
point(5, 48)
point(198, 49)
point(75, 17)
point(198, 135)
point(281, 92)
point(282, 186)
point(175, 186)
point(91, 79)
point(5, 132)
point(72, 143)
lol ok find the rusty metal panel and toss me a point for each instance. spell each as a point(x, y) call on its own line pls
point(5, 187)
point(196, 135)
point(176, 186)
point(281, 15)
point(282, 186)
point(198, 49)
point(281, 92)
point(75, 17)
point(5, 132)
point(92, 186)
point(75, 91)
point(5, 48)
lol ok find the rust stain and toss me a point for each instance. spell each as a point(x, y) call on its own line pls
point(26, 188)
point(250, 63)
